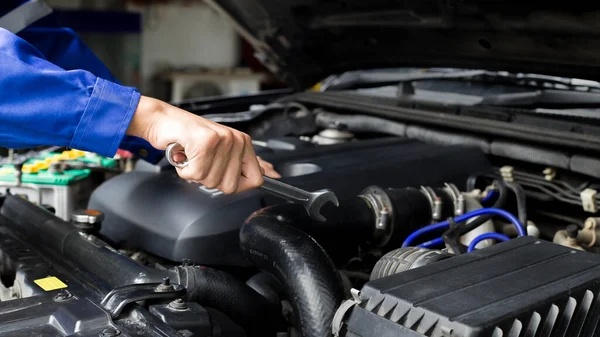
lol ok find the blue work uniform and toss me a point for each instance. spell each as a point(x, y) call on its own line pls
point(55, 91)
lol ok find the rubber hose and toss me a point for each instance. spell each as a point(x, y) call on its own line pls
point(412, 211)
point(309, 278)
point(403, 259)
point(353, 222)
point(502, 191)
point(267, 286)
point(521, 201)
point(360, 123)
point(220, 290)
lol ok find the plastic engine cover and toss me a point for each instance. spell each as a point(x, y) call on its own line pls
point(162, 214)
point(523, 287)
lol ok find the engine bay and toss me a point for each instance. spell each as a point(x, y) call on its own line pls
point(439, 232)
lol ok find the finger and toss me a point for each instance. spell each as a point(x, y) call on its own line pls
point(179, 157)
point(271, 173)
point(267, 168)
point(233, 171)
point(251, 171)
point(200, 151)
point(223, 155)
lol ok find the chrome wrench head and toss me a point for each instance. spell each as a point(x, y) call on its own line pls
point(170, 152)
point(317, 200)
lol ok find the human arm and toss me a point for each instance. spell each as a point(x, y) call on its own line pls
point(42, 104)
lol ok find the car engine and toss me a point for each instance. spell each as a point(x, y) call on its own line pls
point(438, 233)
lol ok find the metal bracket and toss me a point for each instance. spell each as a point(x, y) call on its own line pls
point(116, 300)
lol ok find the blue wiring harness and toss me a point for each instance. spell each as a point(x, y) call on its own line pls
point(461, 218)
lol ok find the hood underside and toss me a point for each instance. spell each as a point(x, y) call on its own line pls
point(304, 41)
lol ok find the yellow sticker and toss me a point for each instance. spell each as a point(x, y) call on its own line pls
point(50, 283)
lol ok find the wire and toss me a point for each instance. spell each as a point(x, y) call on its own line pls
point(491, 194)
point(424, 230)
point(431, 243)
point(482, 211)
point(521, 200)
point(486, 236)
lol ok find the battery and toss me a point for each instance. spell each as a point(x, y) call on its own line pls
point(63, 191)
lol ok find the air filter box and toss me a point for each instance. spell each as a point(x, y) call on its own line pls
point(523, 287)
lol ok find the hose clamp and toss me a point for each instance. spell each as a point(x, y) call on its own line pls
point(383, 210)
point(342, 311)
point(458, 199)
point(434, 202)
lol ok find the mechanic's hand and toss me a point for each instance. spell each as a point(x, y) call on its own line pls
point(267, 168)
point(219, 157)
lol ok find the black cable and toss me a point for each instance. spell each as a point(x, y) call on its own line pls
point(452, 238)
point(521, 201)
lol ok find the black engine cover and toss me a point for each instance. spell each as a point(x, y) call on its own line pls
point(169, 217)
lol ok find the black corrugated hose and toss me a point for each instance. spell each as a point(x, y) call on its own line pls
point(309, 278)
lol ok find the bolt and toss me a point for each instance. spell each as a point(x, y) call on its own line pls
point(165, 285)
point(110, 332)
point(62, 295)
point(178, 304)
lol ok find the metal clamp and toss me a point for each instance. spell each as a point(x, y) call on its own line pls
point(384, 214)
point(434, 201)
point(116, 300)
point(457, 199)
point(344, 308)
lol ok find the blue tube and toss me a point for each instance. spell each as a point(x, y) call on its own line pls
point(424, 230)
point(431, 243)
point(482, 211)
point(486, 236)
point(491, 194)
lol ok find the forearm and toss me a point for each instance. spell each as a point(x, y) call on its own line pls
point(42, 104)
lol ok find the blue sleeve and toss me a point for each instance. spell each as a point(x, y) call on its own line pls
point(43, 104)
point(63, 47)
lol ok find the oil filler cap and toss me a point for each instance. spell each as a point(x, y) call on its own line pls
point(87, 219)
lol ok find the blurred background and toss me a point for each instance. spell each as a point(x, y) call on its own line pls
point(169, 49)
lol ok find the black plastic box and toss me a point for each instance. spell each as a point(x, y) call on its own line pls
point(523, 287)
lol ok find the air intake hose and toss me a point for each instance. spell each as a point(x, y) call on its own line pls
point(270, 240)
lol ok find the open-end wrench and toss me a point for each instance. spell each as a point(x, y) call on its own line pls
point(312, 201)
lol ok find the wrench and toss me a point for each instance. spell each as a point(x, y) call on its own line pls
point(312, 201)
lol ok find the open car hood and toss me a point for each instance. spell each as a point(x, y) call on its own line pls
point(303, 41)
